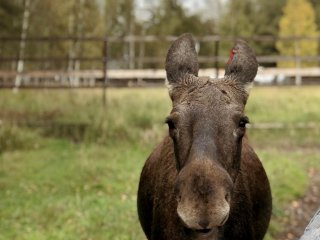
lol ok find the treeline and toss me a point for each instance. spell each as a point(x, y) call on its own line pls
point(118, 18)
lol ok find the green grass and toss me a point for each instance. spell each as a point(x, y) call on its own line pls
point(70, 170)
point(284, 104)
point(69, 191)
point(287, 172)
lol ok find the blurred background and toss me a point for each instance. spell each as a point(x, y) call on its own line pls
point(83, 103)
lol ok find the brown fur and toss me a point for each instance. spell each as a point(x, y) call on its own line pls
point(204, 181)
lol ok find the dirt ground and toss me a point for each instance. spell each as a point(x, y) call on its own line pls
point(301, 211)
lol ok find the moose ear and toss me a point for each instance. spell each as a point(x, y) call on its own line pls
point(242, 65)
point(181, 59)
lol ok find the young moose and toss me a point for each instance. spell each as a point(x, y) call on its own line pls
point(204, 181)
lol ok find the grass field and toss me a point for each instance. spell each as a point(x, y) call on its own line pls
point(70, 170)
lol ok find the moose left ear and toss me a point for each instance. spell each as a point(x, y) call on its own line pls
point(182, 59)
point(242, 65)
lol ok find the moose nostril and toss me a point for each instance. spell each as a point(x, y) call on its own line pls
point(227, 197)
point(204, 223)
point(178, 198)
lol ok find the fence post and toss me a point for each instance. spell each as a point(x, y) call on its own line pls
point(216, 55)
point(141, 51)
point(297, 51)
point(105, 75)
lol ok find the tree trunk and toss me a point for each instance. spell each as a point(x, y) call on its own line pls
point(25, 26)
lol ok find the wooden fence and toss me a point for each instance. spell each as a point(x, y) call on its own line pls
point(107, 72)
point(143, 78)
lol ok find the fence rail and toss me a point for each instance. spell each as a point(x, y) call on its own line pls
point(104, 74)
point(143, 77)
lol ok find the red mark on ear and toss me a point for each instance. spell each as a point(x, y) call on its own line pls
point(232, 53)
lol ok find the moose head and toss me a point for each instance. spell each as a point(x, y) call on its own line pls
point(207, 124)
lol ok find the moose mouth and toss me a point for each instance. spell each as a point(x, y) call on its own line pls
point(204, 231)
point(207, 232)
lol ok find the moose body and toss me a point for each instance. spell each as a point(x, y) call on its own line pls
point(204, 181)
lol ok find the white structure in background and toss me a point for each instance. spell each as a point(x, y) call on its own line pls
point(312, 231)
point(267, 78)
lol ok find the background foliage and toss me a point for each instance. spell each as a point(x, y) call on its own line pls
point(298, 20)
point(83, 18)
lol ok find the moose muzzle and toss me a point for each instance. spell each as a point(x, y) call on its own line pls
point(203, 192)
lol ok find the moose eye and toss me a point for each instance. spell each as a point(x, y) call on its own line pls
point(170, 124)
point(243, 122)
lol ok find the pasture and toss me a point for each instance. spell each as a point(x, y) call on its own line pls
point(69, 169)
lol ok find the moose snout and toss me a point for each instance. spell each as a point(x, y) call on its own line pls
point(203, 198)
point(197, 217)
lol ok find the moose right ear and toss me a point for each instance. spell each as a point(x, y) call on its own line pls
point(181, 59)
point(242, 66)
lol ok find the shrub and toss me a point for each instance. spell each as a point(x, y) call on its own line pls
point(14, 138)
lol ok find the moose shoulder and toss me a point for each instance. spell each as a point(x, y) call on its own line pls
point(204, 181)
